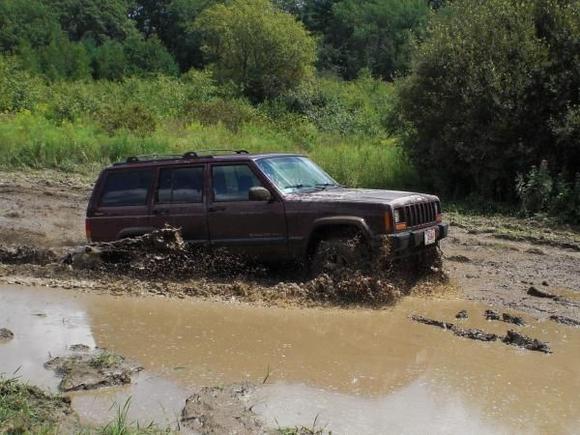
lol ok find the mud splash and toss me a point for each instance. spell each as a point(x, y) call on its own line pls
point(161, 263)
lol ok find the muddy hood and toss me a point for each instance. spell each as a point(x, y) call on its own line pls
point(372, 196)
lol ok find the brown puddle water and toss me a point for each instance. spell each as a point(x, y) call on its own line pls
point(359, 371)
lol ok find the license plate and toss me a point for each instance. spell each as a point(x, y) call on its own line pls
point(430, 236)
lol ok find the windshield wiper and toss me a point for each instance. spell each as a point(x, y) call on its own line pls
point(297, 186)
point(325, 185)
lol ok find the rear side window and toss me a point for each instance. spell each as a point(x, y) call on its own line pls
point(125, 188)
point(180, 185)
point(233, 182)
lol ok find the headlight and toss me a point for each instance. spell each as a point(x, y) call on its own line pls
point(397, 216)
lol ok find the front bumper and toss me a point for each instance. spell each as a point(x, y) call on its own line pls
point(414, 240)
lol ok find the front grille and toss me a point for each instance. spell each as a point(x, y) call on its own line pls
point(419, 214)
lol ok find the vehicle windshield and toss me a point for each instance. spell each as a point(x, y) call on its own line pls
point(292, 173)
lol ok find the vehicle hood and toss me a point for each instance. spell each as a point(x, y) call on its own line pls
point(372, 196)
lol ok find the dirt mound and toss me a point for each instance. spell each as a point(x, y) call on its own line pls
point(516, 339)
point(222, 410)
point(85, 370)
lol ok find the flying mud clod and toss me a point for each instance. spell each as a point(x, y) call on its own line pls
point(6, 335)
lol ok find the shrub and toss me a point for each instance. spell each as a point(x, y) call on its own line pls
point(484, 90)
point(540, 192)
point(134, 118)
point(263, 50)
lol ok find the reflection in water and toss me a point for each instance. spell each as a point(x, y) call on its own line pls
point(362, 371)
point(413, 409)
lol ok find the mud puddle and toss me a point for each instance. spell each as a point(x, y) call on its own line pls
point(356, 371)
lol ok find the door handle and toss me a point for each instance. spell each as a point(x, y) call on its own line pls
point(161, 211)
point(216, 208)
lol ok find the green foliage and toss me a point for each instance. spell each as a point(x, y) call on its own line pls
point(375, 34)
point(27, 409)
point(535, 189)
point(540, 192)
point(94, 19)
point(25, 22)
point(261, 49)
point(485, 90)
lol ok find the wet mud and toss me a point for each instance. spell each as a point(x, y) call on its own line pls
point(512, 337)
point(221, 410)
point(89, 370)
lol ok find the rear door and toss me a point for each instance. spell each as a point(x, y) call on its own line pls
point(255, 228)
point(121, 209)
point(179, 201)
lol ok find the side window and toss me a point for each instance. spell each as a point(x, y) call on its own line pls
point(233, 182)
point(180, 185)
point(125, 188)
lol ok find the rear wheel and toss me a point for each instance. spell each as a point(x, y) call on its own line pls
point(340, 254)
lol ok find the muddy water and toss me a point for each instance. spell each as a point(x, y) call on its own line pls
point(358, 371)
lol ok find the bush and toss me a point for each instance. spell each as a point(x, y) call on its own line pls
point(134, 118)
point(261, 49)
point(540, 192)
point(485, 89)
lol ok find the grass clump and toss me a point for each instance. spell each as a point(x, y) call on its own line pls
point(105, 360)
point(27, 409)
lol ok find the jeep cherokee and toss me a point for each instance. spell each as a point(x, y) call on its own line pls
point(274, 207)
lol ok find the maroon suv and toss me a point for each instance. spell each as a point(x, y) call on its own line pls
point(275, 207)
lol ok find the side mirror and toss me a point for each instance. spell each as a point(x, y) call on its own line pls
point(260, 193)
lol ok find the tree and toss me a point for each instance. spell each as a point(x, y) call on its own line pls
point(96, 19)
point(28, 22)
point(171, 21)
point(260, 48)
point(491, 91)
point(374, 34)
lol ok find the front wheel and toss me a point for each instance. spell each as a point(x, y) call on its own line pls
point(338, 255)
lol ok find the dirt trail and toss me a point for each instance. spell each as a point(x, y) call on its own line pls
point(488, 261)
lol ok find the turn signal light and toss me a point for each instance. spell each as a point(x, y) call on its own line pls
point(388, 222)
point(401, 226)
point(439, 218)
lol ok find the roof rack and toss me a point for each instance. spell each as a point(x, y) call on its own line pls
point(186, 156)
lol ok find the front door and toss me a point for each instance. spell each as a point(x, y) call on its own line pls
point(255, 228)
point(179, 201)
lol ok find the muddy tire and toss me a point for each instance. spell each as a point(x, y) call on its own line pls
point(338, 255)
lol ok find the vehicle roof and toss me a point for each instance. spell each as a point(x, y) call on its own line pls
point(181, 160)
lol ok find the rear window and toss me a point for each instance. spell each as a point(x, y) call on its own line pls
point(125, 188)
point(180, 185)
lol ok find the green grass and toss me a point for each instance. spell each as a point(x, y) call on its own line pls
point(105, 360)
point(27, 409)
point(83, 125)
point(31, 140)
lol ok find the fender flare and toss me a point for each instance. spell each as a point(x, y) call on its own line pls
point(354, 221)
